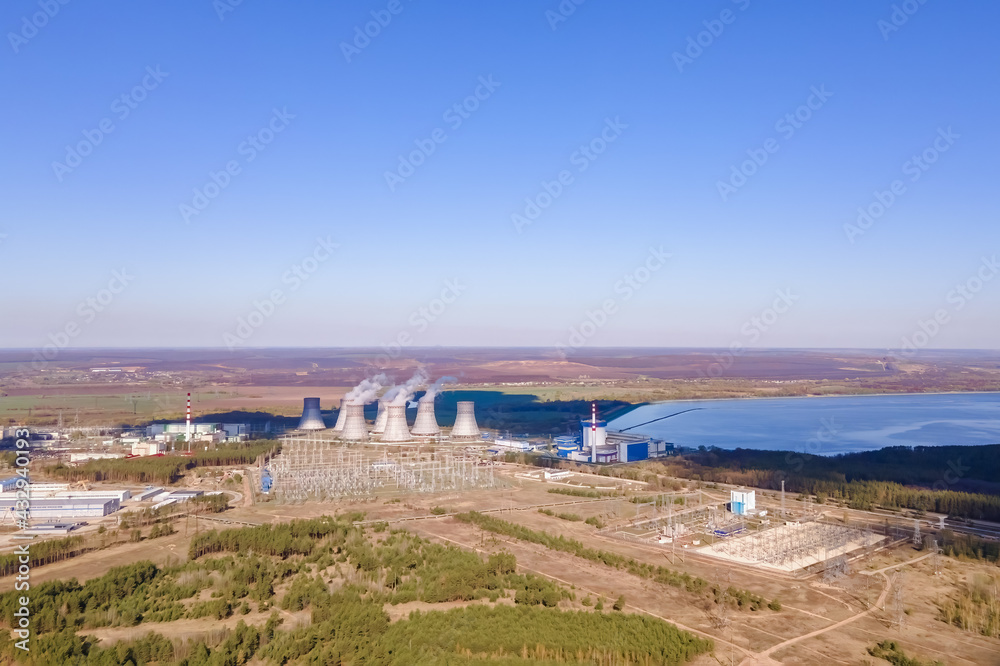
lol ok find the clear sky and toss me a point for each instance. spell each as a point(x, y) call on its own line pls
point(669, 100)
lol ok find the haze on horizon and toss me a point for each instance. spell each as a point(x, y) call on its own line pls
point(681, 202)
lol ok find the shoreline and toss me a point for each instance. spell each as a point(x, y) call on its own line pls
point(808, 397)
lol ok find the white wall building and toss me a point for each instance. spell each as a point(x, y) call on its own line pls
point(743, 502)
point(148, 448)
point(48, 508)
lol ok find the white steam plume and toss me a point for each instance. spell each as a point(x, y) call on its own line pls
point(366, 391)
point(403, 393)
point(435, 388)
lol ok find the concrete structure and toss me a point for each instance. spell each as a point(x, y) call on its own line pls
point(311, 419)
point(743, 502)
point(380, 418)
point(54, 507)
point(120, 495)
point(465, 421)
point(149, 447)
point(93, 455)
point(341, 416)
point(396, 429)
point(517, 445)
point(9, 484)
point(216, 432)
point(43, 529)
point(355, 429)
point(149, 493)
point(426, 425)
point(45, 489)
point(594, 435)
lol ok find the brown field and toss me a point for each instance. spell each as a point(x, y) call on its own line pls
point(818, 623)
point(153, 383)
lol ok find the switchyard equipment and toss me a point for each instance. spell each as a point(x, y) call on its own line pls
point(311, 419)
point(314, 468)
point(794, 545)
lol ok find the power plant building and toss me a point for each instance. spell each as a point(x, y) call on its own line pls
point(341, 415)
point(597, 444)
point(355, 429)
point(465, 421)
point(312, 418)
point(743, 502)
point(396, 429)
point(426, 425)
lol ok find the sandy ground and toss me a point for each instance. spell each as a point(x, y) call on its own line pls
point(808, 605)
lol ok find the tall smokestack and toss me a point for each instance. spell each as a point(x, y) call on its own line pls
point(187, 427)
point(341, 415)
point(593, 432)
point(395, 424)
point(311, 419)
point(379, 426)
point(465, 421)
point(355, 428)
point(426, 424)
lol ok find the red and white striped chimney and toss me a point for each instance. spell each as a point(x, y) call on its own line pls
point(187, 429)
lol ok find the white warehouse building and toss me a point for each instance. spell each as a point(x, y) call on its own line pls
point(43, 509)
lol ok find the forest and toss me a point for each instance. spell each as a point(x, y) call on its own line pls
point(164, 470)
point(919, 478)
point(342, 576)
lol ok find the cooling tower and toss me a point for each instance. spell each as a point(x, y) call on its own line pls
point(426, 424)
point(311, 417)
point(379, 426)
point(341, 415)
point(465, 421)
point(395, 424)
point(355, 428)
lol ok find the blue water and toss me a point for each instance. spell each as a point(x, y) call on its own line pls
point(825, 426)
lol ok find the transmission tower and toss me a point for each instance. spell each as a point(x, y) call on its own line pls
point(782, 498)
point(897, 609)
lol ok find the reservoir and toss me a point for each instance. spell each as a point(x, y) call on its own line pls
point(824, 425)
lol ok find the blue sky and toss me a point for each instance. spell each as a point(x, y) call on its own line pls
point(680, 125)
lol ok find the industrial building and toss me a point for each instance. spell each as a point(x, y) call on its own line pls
point(42, 489)
point(9, 485)
point(516, 445)
point(176, 497)
point(57, 507)
point(312, 417)
point(597, 444)
point(93, 455)
point(120, 495)
point(743, 502)
point(149, 493)
point(149, 447)
point(390, 424)
point(200, 432)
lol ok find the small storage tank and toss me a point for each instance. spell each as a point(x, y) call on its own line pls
point(565, 446)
